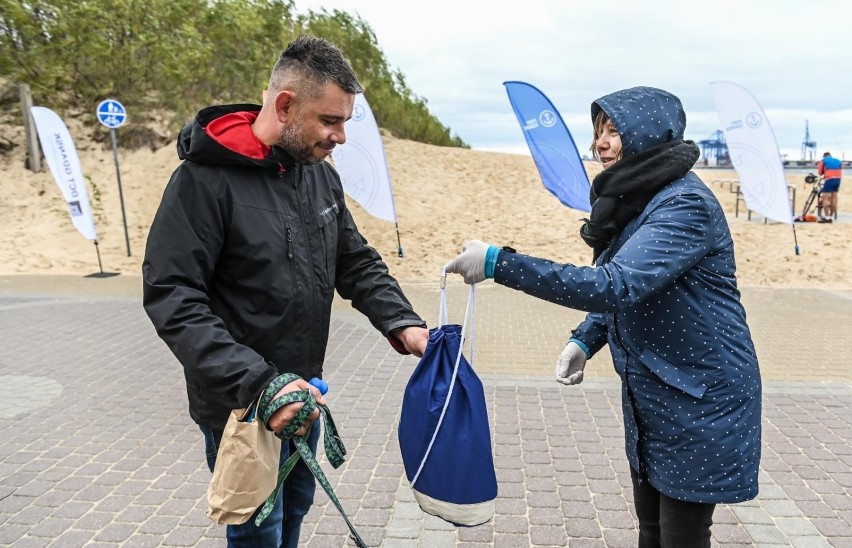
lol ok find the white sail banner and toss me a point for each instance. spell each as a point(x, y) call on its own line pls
point(753, 151)
point(61, 157)
point(362, 165)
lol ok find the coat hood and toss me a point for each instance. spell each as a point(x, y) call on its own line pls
point(644, 117)
point(222, 136)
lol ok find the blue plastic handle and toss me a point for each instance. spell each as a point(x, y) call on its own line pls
point(319, 384)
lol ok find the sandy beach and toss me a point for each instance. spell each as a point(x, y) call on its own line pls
point(443, 197)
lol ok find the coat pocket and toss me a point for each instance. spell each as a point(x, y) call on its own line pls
point(671, 374)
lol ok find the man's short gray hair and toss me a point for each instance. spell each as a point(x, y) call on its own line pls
point(308, 64)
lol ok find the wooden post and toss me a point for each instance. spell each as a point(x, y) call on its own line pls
point(33, 162)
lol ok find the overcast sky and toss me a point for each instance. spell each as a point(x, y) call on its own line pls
point(794, 57)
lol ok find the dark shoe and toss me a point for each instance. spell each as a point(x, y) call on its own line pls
point(824, 220)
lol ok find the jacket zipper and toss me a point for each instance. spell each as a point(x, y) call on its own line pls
point(297, 179)
point(288, 232)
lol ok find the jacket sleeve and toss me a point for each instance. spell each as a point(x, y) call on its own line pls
point(183, 245)
point(592, 331)
point(362, 277)
point(670, 241)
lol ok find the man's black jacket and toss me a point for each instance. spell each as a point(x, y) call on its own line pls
point(241, 265)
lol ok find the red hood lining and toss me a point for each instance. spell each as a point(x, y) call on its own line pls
point(233, 131)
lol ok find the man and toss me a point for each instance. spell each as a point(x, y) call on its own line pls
point(831, 170)
point(247, 248)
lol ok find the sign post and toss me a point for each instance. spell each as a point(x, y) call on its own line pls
point(111, 113)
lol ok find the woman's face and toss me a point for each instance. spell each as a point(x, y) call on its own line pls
point(608, 145)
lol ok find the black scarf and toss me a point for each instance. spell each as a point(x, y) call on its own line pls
point(620, 193)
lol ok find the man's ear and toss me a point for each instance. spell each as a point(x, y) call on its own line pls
point(285, 106)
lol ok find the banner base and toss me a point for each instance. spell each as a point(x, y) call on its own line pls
point(102, 275)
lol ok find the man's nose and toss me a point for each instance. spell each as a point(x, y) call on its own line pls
point(338, 136)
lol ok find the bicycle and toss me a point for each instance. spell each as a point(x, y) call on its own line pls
point(816, 191)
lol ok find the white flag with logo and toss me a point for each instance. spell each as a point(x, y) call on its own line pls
point(753, 151)
point(362, 165)
point(61, 157)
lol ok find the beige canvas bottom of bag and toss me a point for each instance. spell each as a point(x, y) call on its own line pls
point(461, 514)
point(246, 470)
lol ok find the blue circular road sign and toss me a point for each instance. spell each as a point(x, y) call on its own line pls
point(111, 113)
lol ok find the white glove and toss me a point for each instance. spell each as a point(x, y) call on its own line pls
point(570, 365)
point(470, 263)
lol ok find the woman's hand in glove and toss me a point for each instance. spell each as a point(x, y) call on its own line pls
point(470, 263)
point(570, 365)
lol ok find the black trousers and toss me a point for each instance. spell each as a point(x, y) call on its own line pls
point(665, 522)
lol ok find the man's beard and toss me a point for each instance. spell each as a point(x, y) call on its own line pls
point(291, 140)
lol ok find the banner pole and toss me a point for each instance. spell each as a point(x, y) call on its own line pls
point(120, 193)
point(398, 241)
point(100, 273)
point(795, 238)
point(98, 251)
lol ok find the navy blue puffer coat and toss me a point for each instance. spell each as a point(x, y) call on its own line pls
point(664, 296)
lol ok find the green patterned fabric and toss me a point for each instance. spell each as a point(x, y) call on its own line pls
point(334, 449)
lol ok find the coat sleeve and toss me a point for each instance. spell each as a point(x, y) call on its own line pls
point(184, 242)
point(592, 331)
point(362, 277)
point(670, 241)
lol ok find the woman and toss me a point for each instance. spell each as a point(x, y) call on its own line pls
point(663, 294)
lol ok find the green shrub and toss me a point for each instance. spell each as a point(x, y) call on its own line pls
point(177, 56)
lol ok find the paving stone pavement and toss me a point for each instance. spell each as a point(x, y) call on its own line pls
point(97, 449)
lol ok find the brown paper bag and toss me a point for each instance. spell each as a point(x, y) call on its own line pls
point(246, 469)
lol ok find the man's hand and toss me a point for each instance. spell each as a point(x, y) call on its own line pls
point(413, 338)
point(470, 263)
point(281, 418)
point(570, 365)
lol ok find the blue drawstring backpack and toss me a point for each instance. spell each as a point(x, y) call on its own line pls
point(443, 431)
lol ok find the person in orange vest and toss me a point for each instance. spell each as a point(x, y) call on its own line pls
point(831, 170)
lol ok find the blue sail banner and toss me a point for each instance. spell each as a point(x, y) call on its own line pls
point(551, 145)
